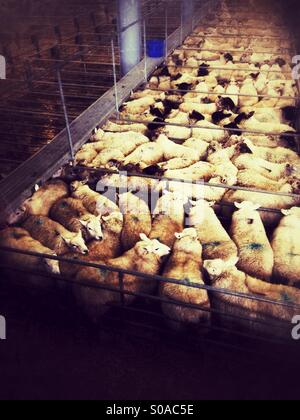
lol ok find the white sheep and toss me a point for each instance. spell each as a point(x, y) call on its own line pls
point(209, 132)
point(224, 275)
point(273, 155)
point(107, 158)
point(168, 217)
point(19, 239)
point(72, 214)
point(247, 230)
point(95, 203)
point(139, 106)
point(175, 131)
point(273, 171)
point(185, 264)
point(197, 172)
point(285, 243)
point(137, 219)
point(54, 236)
point(146, 155)
point(266, 201)
point(198, 145)
point(214, 239)
point(121, 128)
point(173, 150)
point(145, 257)
point(248, 88)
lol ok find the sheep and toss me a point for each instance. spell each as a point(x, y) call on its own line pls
point(172, 150)
point(115, 140)
point(273, 171)
point(252, 124)
point(145, 257)
point(251, 179)
point(174, 131)
point(256, 256)
point(233, 91)
point(148, 92)
point(285, 243)
point(225, 169)
point(209, 132)
point(54, 236)
point(19, 239)
point(168, 218)
point(88, 153)
point(266, 201)
point(41, 201)
point(130, 183)
point(121, 128)
point(275, 155)
point(137, 219)
point(218, 92)
point(107, 158)
point(289, 92)
point(176, 163)
point(109, 247)
point(146, 155)
point(271, 102)
point(185, 264)
point(248, 88)
point(197, 172)
point(214, 239)
point(242, 310)
point(204, 109)
point(138, 106)
point(72, 214)
point(94, 202)
point(199, 145)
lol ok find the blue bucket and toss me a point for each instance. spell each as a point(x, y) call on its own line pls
point(156, 48)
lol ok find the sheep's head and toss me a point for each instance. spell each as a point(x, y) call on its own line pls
point(114, 222)
point(188, 242)
point(148, 246)
point(76, 242)
point(294, 211)
point(215, 268)
point(76, 185)
point(51, 266)
point(247, 207)
point(92, 224)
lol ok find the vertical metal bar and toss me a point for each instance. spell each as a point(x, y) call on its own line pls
point(121, 284)
point(62, 96)
point(115, 76)
point(166, 30)
point(145, 51)
point(181, 23)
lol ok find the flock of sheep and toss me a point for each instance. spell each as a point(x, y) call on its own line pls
point(223, 111)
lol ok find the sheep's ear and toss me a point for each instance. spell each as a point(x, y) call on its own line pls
point(36, 187)
point(144, 237)
point(194, 203)
point(178, 235)
point(212, 203)
point(232, 262)
point(286, 212)
point(83, 223)
point(247, 205)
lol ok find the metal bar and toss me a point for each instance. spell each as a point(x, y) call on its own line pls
point(115, 76)
point(69, 135)
point(234, 130)
point(186, 181)
point(225, 94)
point(157, 278)
point(226, 68)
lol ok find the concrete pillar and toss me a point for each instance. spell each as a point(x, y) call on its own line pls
point(129, 25)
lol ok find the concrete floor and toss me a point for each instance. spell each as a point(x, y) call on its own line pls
point(51, 353)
